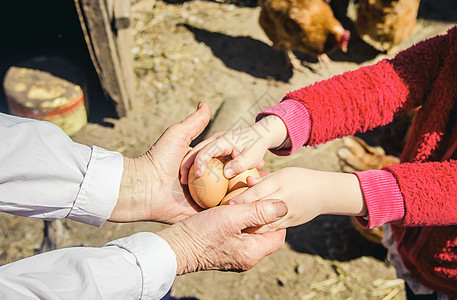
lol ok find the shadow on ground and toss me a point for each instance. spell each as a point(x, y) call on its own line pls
point(442, 11)
point(334, 238)
point(245, 54)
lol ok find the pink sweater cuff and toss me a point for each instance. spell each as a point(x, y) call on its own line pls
point(382, 197)
point(298, 123)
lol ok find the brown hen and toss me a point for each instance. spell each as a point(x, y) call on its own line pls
point(308, 26)
point(386, 23)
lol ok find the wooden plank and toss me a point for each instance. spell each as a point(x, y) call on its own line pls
point(124, 40)
point(124, 36)
point(100, 40)
point(121, 12)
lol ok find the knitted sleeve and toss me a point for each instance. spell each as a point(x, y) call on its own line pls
point(357, 101)
point(430, 192)
point(371, 96)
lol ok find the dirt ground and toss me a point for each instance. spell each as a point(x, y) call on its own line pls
point(191, 51)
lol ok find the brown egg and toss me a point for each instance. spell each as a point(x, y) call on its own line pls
point(240, 179)
point(209, 189)
point(232, 194)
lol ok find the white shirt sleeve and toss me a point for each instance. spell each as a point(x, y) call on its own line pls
point(141, 266)
point(45, 175)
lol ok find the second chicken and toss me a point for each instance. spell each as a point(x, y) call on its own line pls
point(308, 26)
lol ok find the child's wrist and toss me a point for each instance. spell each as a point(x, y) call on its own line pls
point(274, 131)
point(357, 204)
point(345, 196)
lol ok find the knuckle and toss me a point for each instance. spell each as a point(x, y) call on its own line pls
point(246, 259)
point(202, 119)
point(176, 127)
point(237, 165)
point(249, 265)
point(261, 214)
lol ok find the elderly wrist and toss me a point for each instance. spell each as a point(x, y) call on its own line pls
point(127, 181)
point(175, 237)
point(135, 191)
point(121, 211)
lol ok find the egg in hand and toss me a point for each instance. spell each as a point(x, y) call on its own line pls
point(240, 180)
point(232, 194)
point(209, 189)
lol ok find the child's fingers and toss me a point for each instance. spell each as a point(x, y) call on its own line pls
point(220, 147)
point(261, 190)
point(241, 163)
point(260, 165)
point(189, 159)
point(251, 180)
point(263, 173)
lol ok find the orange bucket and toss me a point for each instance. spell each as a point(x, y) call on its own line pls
point(38, 94)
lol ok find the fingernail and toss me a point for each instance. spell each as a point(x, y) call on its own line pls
point(228, 173)
point(281, 209)
point(198, 172)
point(200, 105)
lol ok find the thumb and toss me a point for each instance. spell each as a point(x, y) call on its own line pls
point(195, 123)
point(261, 213)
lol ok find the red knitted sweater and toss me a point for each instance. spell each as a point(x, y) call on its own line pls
point(424, 75)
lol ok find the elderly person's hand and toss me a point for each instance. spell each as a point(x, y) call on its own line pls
point(222, 237)
point(150, 188)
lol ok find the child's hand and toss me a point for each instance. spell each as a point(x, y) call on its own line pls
point(246, 146)
point(307, 194)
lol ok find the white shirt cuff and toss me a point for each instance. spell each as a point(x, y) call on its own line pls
point(156, 260)
point(100, 188)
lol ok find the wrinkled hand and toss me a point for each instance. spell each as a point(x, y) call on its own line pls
point(150, 188)
point(217, 239)
point(246, 146)
point(307, 193)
